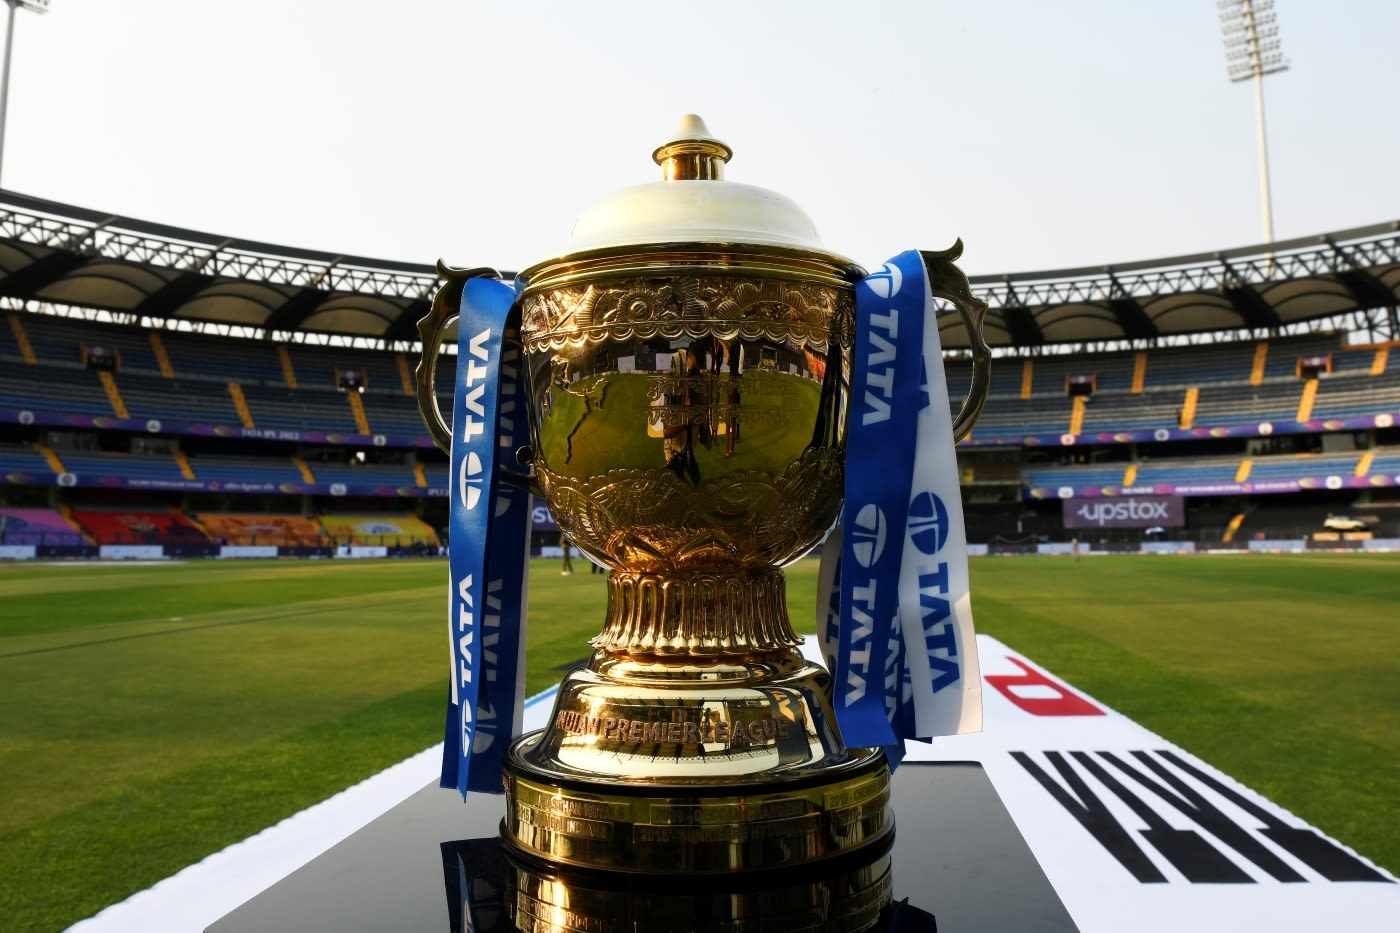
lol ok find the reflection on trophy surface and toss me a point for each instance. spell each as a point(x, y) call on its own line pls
point(688, 371)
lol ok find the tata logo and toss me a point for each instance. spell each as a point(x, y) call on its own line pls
point(474, 374)
point(470, 481)
point(868, 531)
point(886, 282)
point(928, 523)
point(880, 362)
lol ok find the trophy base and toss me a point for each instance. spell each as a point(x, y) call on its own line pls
point(685, 769)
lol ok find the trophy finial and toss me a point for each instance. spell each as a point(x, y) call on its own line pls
point(693, 154)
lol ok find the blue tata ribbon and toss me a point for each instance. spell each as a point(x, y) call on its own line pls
point(488, 542)
point(895, 617)
point(886, 384)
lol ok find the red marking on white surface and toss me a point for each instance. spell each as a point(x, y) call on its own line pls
point(1038, 695)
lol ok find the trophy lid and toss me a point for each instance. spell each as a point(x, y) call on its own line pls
point(693, 204)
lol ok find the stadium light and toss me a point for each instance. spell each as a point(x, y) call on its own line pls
point(1252, 51)
point(38, 6)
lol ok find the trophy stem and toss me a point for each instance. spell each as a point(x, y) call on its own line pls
point(697, 615)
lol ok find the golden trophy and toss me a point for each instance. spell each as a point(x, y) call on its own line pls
point(687, 366)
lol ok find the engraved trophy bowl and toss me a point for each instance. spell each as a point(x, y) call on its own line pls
point(688, 365)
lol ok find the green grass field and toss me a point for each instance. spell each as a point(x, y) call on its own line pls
point(153, 715)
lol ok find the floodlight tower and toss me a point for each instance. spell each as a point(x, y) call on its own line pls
point(1252, 51)
point(38, 6)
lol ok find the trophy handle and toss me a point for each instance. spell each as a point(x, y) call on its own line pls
point(947, 281)
point(431, 328)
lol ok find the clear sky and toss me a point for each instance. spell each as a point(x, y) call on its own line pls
point(1046, 134)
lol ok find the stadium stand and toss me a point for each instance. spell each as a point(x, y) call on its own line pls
point(22, 460)
point(291, 409)
point(1209, 363)
point(246, 386)
point(132, 526)
point(176, 399)
point(258, 529)
point(1300, 466)
point(1232, 403)
point(226, 469)
point(138, 470)
point(1078, 475)
point(1011, 418)
point(1127, 412)
point(363, 474)
point(389, 530)
point(72, 391)
point(317, 367)
point(1386, 463)
point(389, 414)
point(55, 343)
point(436, 476)
point(243, 361)
point(1344, 396)
point(1203, 471)
point(37, 526)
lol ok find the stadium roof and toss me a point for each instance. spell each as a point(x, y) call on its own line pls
point(61, 255)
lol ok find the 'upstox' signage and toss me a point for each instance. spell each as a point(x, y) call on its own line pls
point(1129, 512)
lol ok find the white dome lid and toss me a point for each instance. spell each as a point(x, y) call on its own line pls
point(696, 211)
point(695, 205)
